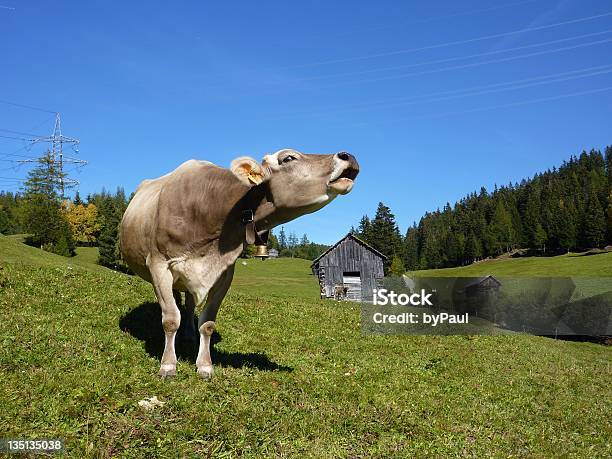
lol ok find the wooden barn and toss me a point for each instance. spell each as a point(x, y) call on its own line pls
point(480, 285)
point(350, 269)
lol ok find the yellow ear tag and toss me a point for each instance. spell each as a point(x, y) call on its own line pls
point(255, 178)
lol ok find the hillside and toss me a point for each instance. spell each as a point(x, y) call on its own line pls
point(565, 209)
point(13, 250)
point(293, 375)
point(578, 265)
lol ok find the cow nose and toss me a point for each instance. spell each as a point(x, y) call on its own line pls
point(344, 156)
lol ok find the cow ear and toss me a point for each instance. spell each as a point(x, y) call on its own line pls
point(248, 170)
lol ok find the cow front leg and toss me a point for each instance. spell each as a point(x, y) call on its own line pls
point(207, 321)
point(204, 362)
point(171, 318)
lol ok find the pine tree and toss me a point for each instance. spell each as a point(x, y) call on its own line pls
point(609, 218)
point(451, 255)
point(608, 167)
point(594, 222)
point(45, 178)
point(473, 248)
point(430, 253)
point(108, 234)
point(608, 159)
point(282, 239)
point(9, 213)
point(461, 239)
point(41, 209)
point(273, 241)
point(566, 226)
point(364, 229)
point(539, 237)
point(111, 209)
point(5, 221)
point(502, 229)
point(77, 199)
point(536, 235)
point(411, 248)
point(384, 233)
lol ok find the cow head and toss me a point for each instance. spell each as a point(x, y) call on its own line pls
point(298, 182)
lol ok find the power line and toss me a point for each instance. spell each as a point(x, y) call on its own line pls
point(16, 156)
point(20, 133)
point(12, 160)
point(491, 85)
point(476, 64)
point(32, 129)
point(11, 168)
point(14, 104)
point(44, 122)
point(493, 91)
point(467, 92)
point(494, 107)
point(453, 15)
point(451, 59)
point(14, 138)
point(451, 43)
point(25, 147)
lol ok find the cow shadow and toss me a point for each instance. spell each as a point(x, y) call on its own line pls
point(144, 324)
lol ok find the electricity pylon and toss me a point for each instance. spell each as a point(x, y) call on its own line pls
point(57, 141)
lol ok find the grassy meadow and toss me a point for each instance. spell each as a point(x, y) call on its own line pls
point(572, 265)
point(294, 377)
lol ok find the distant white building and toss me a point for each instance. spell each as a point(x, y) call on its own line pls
point(273, 253)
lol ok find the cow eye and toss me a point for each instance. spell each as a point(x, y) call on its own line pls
point(288, 159)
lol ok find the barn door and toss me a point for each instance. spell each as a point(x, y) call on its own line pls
point(352, 281)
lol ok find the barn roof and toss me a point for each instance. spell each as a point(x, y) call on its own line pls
point(355, 238)
point(480, 280)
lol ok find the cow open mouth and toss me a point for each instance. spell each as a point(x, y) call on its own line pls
point(350, 173)
point(343, 183)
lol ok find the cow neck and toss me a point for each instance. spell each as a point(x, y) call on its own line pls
point(257, 200)
point(255, 208)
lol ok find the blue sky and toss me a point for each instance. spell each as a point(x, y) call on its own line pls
point(435, 99)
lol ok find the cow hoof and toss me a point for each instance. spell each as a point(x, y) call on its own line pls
point(167, 371)
point(205, 372)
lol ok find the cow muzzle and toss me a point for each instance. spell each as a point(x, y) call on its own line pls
point(345, 171)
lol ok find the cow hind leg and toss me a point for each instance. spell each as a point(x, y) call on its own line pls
point(171, 317)
point(206, 324)
point(187, 334)
point(177, 298)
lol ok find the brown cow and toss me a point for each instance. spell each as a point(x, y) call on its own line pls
point(185, 230)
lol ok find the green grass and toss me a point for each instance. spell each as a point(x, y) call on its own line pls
point(293, 375)
point(562, 265)
point(86, 255)
point(13, 250)
point(276, 278)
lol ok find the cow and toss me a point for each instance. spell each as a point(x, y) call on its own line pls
point(184, 231)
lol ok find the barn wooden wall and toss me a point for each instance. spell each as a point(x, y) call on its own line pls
point(350, 255)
